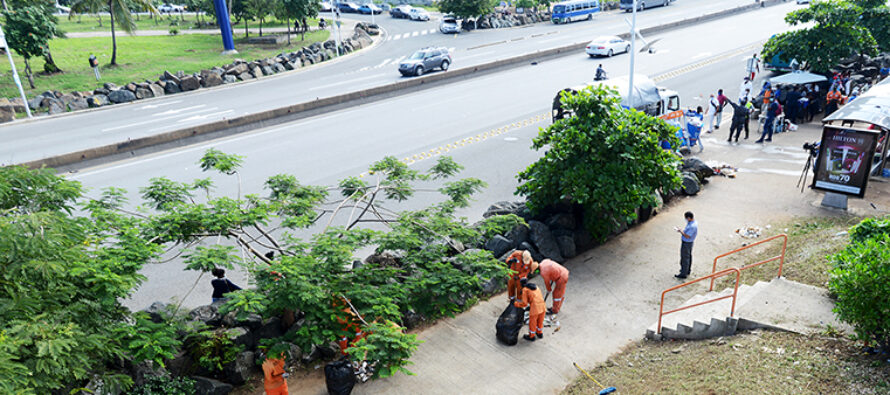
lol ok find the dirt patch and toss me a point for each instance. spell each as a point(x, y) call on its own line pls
point(750, 363)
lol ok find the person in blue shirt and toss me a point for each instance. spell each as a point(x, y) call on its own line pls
point(687, 237)
point(221, 285)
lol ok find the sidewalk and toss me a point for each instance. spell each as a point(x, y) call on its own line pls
point(614, 290)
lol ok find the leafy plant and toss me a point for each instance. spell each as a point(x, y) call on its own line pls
point(173, 385)
point(604, 158)
point(150, 341)
point(388, 347)
point(28, 31)
point(173, 31)
point(499, 224)
point(213, 349)
point(869, 229)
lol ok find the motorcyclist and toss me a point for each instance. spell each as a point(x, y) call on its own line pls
point(600, 74)
point(321, 23)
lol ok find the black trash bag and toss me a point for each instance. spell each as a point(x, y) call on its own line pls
point(509, 324)
point(339, 377)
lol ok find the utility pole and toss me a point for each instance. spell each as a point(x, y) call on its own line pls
point(633, 52)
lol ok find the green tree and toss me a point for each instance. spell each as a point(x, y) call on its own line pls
point(840, 28)
point(120, 12)
point(260, 9)
point(465, 9)
point(604, 158)
point(28, 31)
point(300, 10)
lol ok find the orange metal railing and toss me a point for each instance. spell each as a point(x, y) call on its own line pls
point(712, 276)
point(780, 257)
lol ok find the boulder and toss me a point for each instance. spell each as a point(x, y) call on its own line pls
point(211, 80)
point(289, 66)
point(543, 239)
point(271, 329)
point(171, 87)
point(294, 353)
point(267, 70)
point(239, 371)
point(312, 355)
point(230, 79)
point(412, 319)
point(527, 246)
point(142, 93)
point(252, 321)
point(385, 258)
point(561, 221)
point(206, 314)
point(691, 183)
point(498, 245)
point(698, 167)
point(245, 76)
point(121, 96)
point(518, 234)
point(35, 102)
point(55, 106)
point(208, 386)
point(97, 101)
point(100, 91)
point(156, 90)
point(131, 87)
point(241, 336)
point(329, 54)
point(256, 72)
point(503, 208)
point(156, 311)
point(167, 76)
point(7, 114)
point(189, 83)
point(493, 285)
point(278, 68)
point(109, 86)
point(567, 246)
point(78, 104)
point(237, 69)
point(142, 371)
point(18, 104)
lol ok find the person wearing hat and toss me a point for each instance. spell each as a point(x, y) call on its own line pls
point(531, 297)
point(520, 264)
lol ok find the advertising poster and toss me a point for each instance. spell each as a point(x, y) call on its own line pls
point(844, 161)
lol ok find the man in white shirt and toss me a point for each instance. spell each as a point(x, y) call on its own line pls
point(752, 66)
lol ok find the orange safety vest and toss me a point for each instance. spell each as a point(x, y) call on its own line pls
point(532, 298)
point(553, 272)
point(520, 268)
point(766, 95)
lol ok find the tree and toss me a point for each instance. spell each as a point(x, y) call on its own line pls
point(840, 28)
point(242, 11)
point(300, 10)
point(604, 158)
point(260, 9)
point(28, 31)
point(120, 12)
point(465, 9)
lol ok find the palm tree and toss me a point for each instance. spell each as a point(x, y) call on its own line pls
point(118, 10)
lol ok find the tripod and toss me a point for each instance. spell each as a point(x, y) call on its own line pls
point(801, 182)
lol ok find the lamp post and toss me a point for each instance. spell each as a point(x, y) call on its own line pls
point(15, 73)
point(633, 51)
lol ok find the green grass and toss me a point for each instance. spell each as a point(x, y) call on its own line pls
point(90, 23)
point(139, 58)
point(753, 363)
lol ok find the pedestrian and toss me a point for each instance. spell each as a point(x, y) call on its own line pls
point(600, 73)
point(531, 298)
point(792, 100)
point(555, 278)
point(296, 26)
point(274, 375)
point(721, 100)
point(221, 285)
point(752, 66)
point(520, 266)
point(745, 89)
point(738, 120)
point(713, 105)
point(749, 109)
point(771, 112)
point(687, 237)
point(832, 99)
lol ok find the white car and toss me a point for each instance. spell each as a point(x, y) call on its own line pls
point(170, 8)
point(803, 1)
point(607, 46)
point(418, 14)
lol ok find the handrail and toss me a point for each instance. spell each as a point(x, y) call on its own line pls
point(780, 257)
point(712, 276)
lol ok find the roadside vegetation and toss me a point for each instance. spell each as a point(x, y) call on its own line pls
point(183, 22)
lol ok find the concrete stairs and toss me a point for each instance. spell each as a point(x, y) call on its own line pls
point(778, 304)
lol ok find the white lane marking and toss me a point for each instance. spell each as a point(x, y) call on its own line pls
point(154, 120)
point(792, 173)
point(179, 110)
point(346, 82)
point(701, 55)
point(150, 106)
point(383, 63)
point(415, 34)
point(396, 37)
point(205, 116)
point(423, 32)
point(364, 68)
point(772, 160)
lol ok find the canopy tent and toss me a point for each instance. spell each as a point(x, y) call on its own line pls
point(798, 77)
point(645, 92)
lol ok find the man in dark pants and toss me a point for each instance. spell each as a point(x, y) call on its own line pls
point(687, 237)
point(739, 113)
point(768, 121)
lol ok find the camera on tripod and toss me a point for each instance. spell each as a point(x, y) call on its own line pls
point(813, 148)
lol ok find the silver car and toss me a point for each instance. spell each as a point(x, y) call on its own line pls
point(425, 60)
point(449, 25)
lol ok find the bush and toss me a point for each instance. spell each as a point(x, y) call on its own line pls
point(499, 224)
point(869, 228)
point(861, 281)
point(173, 31)
point(166, 385)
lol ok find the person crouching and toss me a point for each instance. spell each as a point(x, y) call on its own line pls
point(531, 297)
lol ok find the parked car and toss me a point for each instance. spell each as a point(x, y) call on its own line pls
point(348, 7)
point(401, 12)
point(425, 60)
point(628, 5)
point(325, 6)
point(449, 25)
point(607, 46)
point(418, 14)
point(170, 8)
point(370, 8)
point(803, 1)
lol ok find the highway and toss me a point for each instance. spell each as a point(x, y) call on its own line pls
point(487, 121)
point(41, 138)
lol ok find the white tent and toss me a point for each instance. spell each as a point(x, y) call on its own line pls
point(797, 77)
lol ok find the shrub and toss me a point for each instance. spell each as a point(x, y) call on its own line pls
point(213, 349)
point(869, 228)
point(173, 31)
point(861, 281)
point(165, 385)
point(499, 224)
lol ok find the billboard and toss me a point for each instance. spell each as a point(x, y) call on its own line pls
point(844, 161)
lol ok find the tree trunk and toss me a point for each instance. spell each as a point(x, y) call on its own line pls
point(113, 36)
point(261, 27)
point(246, 32)
point(303, 30)
point(49, 65)
point(28, 73)
point(98, 15)
point(287, 20)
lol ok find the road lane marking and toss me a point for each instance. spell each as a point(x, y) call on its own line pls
point(203, 117)
point(701, 55)
point(179, 110)
point(414, 34)
point(346, 82)
point(396, 37)
point(364, 68)
point(154, 120)
point(150, 106)
point(423, 32)
point(384, 62)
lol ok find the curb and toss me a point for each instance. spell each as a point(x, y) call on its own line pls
point(221, 128)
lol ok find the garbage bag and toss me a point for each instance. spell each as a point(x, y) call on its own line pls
point(509, 324)
point(339, 377)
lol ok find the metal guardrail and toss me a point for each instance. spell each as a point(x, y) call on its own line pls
point(712, 276)
point(780, 257)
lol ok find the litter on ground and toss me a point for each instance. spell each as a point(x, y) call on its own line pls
point(749, 232)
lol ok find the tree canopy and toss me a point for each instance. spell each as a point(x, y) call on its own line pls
point(28, 31)
point(466, 9)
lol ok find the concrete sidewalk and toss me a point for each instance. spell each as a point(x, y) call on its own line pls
point(614, 289)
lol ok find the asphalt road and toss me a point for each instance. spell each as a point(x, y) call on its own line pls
point(26, 141)
point(485, 123)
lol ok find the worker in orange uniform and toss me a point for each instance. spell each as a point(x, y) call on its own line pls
point(531, 297)
point(274, 375)
point(555, 278)
point(520, 263)
point(351, 327)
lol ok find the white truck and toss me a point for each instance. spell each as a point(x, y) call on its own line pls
point(647, 97)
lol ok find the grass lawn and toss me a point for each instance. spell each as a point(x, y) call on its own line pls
point(139, 58)
point(186, 21)
point(758, 362)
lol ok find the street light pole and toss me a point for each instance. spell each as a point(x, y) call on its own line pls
point(15, 73)
point(633, 51)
